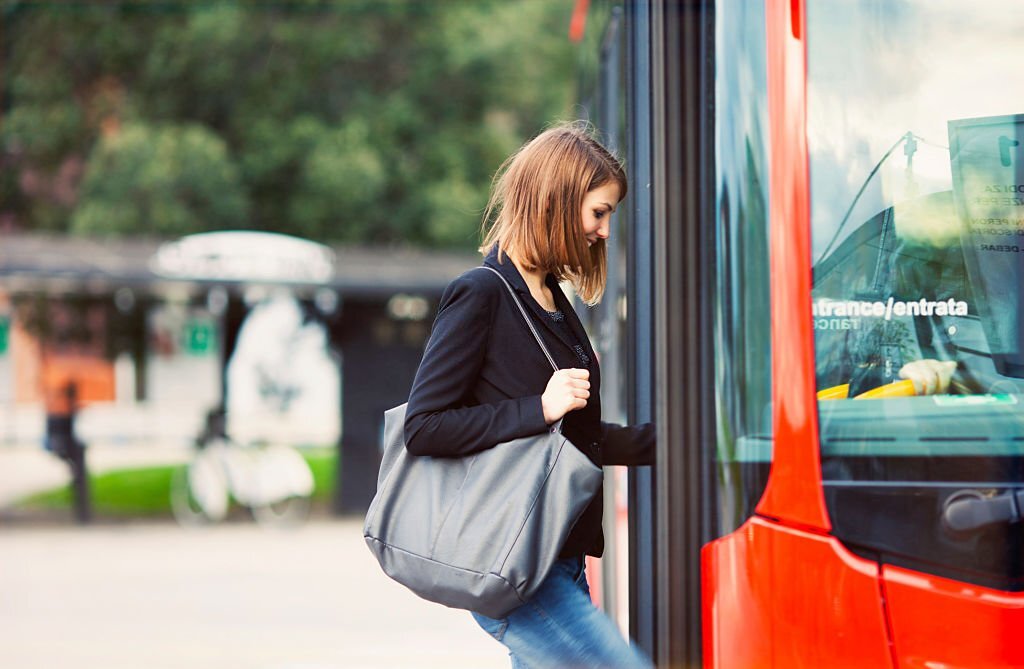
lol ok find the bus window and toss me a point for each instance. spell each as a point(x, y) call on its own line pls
point(741, 307)
point(915, 135)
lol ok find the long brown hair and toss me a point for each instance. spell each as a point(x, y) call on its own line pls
point(536, 200)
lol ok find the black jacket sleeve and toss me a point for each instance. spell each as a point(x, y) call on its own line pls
point(442, 418)
point(633, 445)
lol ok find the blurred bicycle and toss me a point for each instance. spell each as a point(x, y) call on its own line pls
point(272, 480)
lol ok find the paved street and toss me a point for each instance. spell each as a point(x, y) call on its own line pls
point(231, 597)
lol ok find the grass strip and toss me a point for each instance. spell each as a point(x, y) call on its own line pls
point(146, 491)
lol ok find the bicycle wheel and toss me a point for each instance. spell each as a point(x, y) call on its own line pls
point(199, 491)
point(283, 513)
point(285, 487)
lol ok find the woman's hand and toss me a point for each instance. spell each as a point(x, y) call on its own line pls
point(930, 377)
point(567, 390)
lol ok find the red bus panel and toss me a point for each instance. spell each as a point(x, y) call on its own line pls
point(782, 597)
point(938, 622)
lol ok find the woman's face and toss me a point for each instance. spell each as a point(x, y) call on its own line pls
point(598, 206)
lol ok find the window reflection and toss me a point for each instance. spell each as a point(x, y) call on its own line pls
point(741, 309)
point(916, 278)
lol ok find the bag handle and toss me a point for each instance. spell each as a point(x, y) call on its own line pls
point(529, 323)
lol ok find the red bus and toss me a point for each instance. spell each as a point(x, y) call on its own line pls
point(827, 196)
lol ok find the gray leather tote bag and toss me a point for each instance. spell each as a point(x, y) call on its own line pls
point(479, 532)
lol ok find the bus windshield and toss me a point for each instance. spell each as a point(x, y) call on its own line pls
point(916, 143)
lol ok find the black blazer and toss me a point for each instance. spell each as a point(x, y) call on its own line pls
point(482, 376)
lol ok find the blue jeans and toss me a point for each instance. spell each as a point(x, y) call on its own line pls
point(559, 628)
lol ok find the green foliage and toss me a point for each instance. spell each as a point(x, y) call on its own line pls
point(356, 120)
point(161, 180)
point(340, 180)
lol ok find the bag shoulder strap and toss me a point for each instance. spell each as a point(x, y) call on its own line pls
point(526, 317)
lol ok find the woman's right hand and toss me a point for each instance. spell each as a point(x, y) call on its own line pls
point(567, 390)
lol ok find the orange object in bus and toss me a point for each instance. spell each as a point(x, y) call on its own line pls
point(839, 392)
point(894, 389)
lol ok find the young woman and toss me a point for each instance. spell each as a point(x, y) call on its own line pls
point(483, 379)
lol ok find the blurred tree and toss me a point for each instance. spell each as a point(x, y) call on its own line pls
point(358, 120)
point(160, 180)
